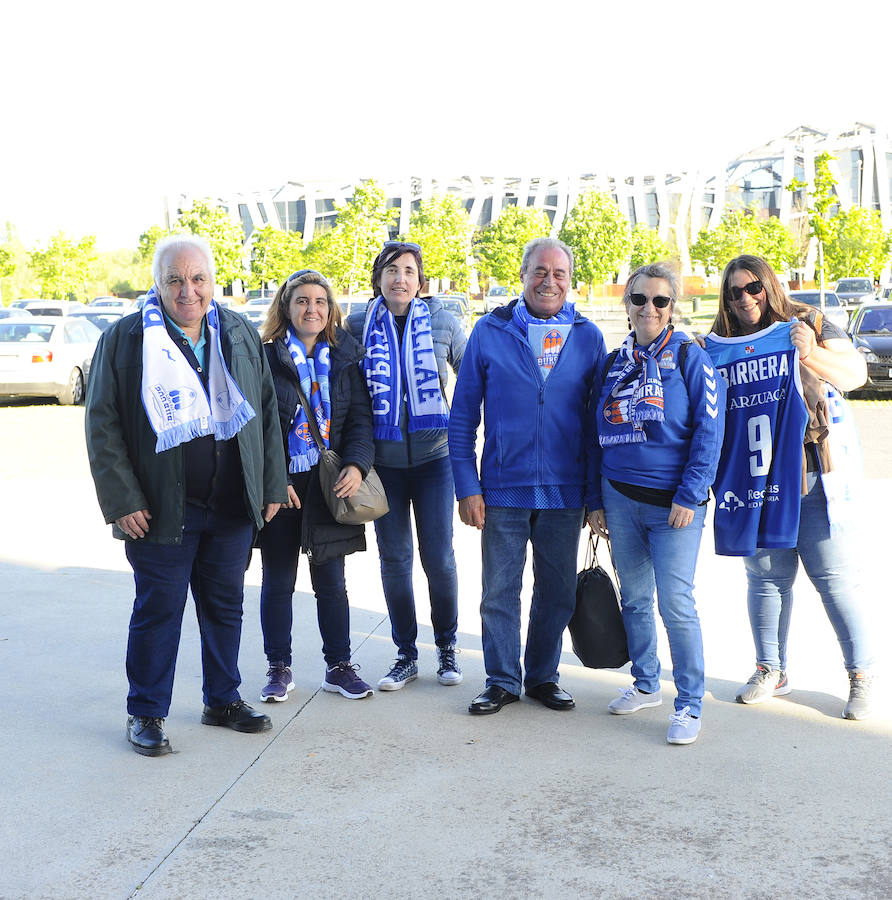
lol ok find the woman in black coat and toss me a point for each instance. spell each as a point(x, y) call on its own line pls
point(306, 346)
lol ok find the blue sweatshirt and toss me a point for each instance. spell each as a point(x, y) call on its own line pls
point(681, 452)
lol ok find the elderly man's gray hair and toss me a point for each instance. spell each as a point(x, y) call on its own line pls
point(175, 242)
point(545, 243)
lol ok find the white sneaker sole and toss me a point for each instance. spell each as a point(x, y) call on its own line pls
point(335, 689)
point(394, 685)
point(627, 712)
point(686, 740)
point(777, 692)
point(452, 678)
point(272, 698)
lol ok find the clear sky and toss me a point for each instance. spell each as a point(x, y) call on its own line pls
point(108, 107)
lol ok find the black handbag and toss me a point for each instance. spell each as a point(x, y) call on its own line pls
point(596, 629)
point(367, 504)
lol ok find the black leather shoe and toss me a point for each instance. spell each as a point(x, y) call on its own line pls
point(238, 716)
point(491, 700)
point(146, 735)
point(551, 695)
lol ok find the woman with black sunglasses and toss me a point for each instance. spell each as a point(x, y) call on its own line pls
point(410, 341)
point(659, 422)
point(752, 301)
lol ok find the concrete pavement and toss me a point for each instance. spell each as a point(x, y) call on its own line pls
point(405, 794)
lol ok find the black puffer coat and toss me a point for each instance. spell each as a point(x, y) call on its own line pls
point(351, 437)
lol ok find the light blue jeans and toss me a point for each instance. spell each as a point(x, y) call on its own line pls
point(831, 567)
point(649, 554)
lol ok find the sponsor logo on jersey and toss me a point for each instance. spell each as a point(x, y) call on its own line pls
point(731, 502)
point(749, 348)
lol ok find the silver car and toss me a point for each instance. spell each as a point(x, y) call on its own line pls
point(47, 356)
point(834, 310)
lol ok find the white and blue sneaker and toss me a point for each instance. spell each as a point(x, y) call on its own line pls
point(683, 728)
point(449, 673)
point(632, 700)
point(401, 673)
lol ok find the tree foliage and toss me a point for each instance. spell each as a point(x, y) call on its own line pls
point(65, 267)
point(225, 237)
point(275, 254)
point(599, 236)
point(147, 241)
point(819, 202)
point(857, 244)
point(741, 231)
point(441, 227)
point(647, 247)
point(498, 247)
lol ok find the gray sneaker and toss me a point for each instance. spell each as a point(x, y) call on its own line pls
point(401, 673)
point(632, 700)
point(449, 672)
point(764, 683)
point(860, 705)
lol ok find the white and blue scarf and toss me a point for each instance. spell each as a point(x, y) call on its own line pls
point(176, 403)
point(389, 375)
point(313, 373)
point(637, 394)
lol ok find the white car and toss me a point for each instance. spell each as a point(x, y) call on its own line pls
point(497, 296)
point(834, 310)
point(14, 312)
point(47, 356)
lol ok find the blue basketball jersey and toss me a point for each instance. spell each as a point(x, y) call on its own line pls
point(759, 480)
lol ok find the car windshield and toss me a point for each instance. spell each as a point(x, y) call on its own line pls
point(19, 332)
point(813, 298)
point(876, 321)
point(498, 292)
point(853, 285)
point(456, 307)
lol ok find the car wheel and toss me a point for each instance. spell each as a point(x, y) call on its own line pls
point(74, 393)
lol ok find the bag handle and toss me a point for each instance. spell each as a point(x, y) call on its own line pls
point(591, 553)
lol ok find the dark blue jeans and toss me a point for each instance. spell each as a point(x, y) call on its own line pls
point(554, 534)
point(279, 551)
point(430, 491)
point(211, 558)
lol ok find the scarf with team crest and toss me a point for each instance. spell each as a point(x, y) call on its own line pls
point(313, 373)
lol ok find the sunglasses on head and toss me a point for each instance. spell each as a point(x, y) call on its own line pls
point(660, 302)
point(407, 244)
point(752, 289)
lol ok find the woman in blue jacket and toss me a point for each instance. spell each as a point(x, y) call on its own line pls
point(660, 421)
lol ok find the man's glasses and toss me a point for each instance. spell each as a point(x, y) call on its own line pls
point(660, 302)
point(752, 289)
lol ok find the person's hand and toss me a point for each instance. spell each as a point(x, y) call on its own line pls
point(680, 516)
point(699, 339)
point(472, 510)
point(270, 509)
point(293, 500)
point(348, 482)
point(804, 339)
point(136, 524)
point(597, 521)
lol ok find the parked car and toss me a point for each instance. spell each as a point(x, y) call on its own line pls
point(871, 332)
point(101, 316)
point(854, 291)
point(256, 314)
point(46, 307)
point(118, 304)
point(459, 306)
point(351, 306)
point(24, 301)
point(834, 310)
point(496, 296)
point(47, 356)
point(259, 295)
point(14, 312)
point(885, 292)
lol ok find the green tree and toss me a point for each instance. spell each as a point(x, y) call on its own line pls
point(148, 239)
point(7, 262)
point(498, 247)
point(275, 254)
point(65, 267)
point(741, 231)
point(818, 204)
point(647, 247)
point(857, 244)
point(327, 254)
point(361, 227)
point(21, 282)
point(441, 227)
point(599, 235)
point(225, 237)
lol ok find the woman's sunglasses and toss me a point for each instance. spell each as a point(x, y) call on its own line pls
point(753, 288)
point(659, 301)
point(407, 244)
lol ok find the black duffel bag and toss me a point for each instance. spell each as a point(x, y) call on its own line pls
point(596, 629)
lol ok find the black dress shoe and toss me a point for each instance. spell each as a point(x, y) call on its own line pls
point(551, 695)
point(491, 700)
point(238, 716)
point(146, 735)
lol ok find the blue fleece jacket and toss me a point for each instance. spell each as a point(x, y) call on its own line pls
point(536, 430)
point(682, 451)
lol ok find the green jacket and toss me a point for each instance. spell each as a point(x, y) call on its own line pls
point(127, 472)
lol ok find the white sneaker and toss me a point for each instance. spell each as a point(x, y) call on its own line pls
point(449, 673)
point(401, 673)
point(684, 728)
point(764, 683)
point(632, 700)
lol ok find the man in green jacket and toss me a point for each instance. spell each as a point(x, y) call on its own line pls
point(186, 453)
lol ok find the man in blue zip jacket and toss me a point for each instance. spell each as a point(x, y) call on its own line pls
point(530, 365)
